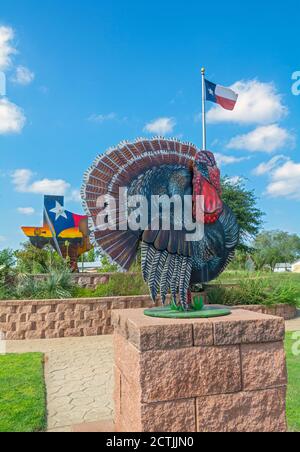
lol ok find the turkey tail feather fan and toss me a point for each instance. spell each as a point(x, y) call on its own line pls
point(121, 167)
point(152, 169)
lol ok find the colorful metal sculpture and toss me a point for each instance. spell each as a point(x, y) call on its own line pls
point(65, 231)
point(152, 168)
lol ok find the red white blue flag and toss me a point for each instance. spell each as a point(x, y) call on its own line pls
point(220, 95)
point(57, 217)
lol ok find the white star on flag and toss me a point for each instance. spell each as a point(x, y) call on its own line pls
point(59, 211)
point(210, 91)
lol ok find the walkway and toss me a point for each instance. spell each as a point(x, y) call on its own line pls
point(293, 325)
point(79, 379)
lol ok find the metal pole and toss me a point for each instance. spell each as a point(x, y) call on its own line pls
point(203, 110)
point(53, 233)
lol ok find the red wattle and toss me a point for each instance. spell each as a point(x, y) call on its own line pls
point(213, 205)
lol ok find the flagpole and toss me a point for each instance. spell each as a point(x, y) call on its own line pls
point(53, 233)
point(203, 110)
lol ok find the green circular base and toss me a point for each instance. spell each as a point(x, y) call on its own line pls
point(168, 312)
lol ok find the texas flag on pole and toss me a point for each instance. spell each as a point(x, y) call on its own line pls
point(57, 217)
point(220, 95)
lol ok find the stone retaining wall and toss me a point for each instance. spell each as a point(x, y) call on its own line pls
point(48, 319)
point(285, 311)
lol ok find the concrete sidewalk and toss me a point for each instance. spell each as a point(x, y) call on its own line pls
point(78, 373)
point(293, 325)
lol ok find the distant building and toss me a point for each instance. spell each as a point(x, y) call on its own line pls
point(89, 267)
point(296, 267)
point(283, 268)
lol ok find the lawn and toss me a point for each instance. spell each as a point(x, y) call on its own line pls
point(293, 399)
point(235, 276)
point(22, 393)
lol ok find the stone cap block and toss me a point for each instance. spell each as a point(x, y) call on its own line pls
point(241, 327)
point(93, 300)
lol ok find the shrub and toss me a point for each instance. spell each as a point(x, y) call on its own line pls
point(261, 291)
point(55, 285)
point(60, 285)
point(5, 293)
point(32, 260)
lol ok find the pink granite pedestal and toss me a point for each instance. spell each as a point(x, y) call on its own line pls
point(226, 374)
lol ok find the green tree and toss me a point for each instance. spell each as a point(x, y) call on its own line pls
point(7, 259)
point(7, 265)
point(243, 202)
point(239, 261)
point(107, 266)
point(91, 256)
point(7, 273)
point(32, 260)
point(273, 247)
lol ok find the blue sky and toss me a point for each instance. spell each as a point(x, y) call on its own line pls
point(82, 76)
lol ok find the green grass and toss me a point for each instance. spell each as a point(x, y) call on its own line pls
point(235, 276)
point(22, 393)
point(293, 397)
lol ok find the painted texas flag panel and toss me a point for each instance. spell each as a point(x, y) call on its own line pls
point(220, 95)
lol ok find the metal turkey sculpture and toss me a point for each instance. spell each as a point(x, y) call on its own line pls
point(151, 169)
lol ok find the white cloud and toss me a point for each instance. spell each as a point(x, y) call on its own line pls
point(161, 126)
point(258, 103)
point(7, 49)
point(102, 118)
point(234, 180)
point(2, 238)
point(263, 139)
point(268, 167)
point(222, 159)
point(49, 187)
point(74, 196)
point(23, 76)
point(26, 210)
point(285, 181)
point(22, 180)
point(12, 118)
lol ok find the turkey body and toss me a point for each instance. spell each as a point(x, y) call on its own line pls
point(168, 260)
